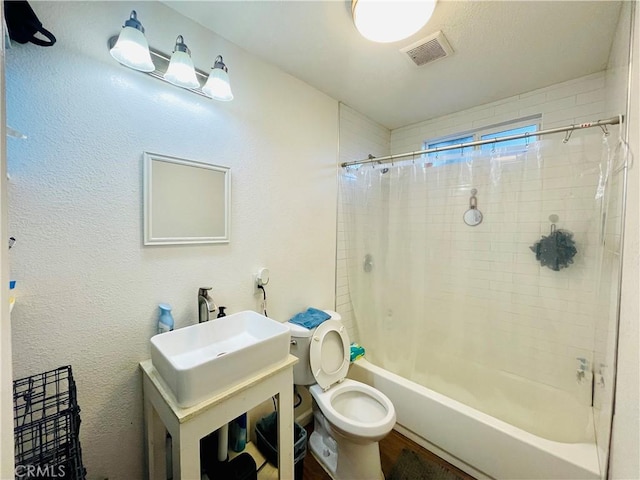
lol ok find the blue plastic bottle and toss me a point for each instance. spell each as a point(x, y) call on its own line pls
point(165, 321)
point(238, 433)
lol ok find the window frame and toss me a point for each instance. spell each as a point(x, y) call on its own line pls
point(478, 133)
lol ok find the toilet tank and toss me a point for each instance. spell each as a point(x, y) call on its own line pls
point(302, 374)
point(300, 341)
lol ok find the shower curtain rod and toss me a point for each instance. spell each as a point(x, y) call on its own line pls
point(599, 123)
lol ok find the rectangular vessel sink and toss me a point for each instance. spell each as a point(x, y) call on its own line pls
point(200, 361)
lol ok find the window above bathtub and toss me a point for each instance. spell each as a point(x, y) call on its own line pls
point(514, 127)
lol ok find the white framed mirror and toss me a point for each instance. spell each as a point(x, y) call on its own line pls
point(185, 201)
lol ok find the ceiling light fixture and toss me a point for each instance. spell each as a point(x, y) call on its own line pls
point(217, 86)
point(131, 49)
point(387, 21)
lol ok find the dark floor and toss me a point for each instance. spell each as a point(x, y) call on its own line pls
point(390, 448)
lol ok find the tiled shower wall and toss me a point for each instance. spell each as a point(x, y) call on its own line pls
point(570, 102)
point(575, 101)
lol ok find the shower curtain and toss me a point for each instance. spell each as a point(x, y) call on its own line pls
point(469, 311)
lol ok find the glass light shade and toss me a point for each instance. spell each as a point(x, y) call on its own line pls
point(132, 50)
point(217, 86)
point(181, 71)
point(387, 21)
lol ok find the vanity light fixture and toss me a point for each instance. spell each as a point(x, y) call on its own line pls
point(181, 71)
point(131, 49)
point(217, 86)
point(387, 21)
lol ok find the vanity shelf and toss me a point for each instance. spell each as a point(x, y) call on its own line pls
point(188, 425)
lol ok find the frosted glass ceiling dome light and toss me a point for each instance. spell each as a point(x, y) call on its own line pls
point(132, 49)
point(218, 86)
point(387, 21)
point(181, 71)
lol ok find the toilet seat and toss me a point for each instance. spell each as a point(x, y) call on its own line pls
point(329, 353)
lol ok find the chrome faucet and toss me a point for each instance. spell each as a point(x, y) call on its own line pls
point(206, 306)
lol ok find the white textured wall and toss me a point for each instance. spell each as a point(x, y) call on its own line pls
point(6, 387)
point(88, 290)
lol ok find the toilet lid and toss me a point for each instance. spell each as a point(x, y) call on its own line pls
point(329, 353)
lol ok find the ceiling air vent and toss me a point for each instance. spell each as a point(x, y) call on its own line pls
point(428, 49)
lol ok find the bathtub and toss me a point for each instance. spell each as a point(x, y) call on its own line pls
point(475, 442)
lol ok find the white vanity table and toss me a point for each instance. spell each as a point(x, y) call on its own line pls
point(188, 425)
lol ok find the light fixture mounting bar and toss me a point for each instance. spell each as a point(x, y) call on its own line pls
point(161, 62)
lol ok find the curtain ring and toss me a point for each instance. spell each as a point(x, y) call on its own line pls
point(604, 130)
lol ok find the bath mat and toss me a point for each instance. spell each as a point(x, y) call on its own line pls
point(411, 466)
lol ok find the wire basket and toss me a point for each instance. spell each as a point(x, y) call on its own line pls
point(46, 425)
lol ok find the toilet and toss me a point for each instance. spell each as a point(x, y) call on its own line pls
point(350, 417)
